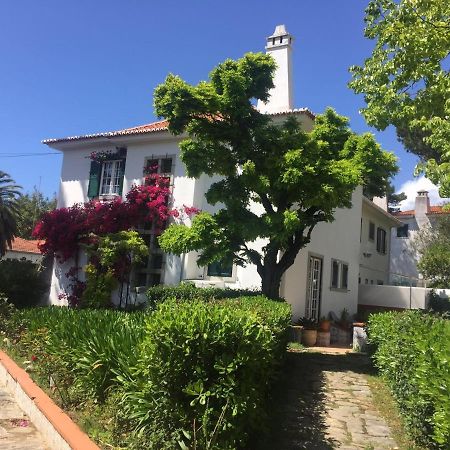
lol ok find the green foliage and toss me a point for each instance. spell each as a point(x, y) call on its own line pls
point(99, 287)
point(113, 257)
point(83, 349)
point(9, 211)
point(205, 371)
point(21, 281)
point(296, 178)
point(31, 207)
point(406, 81)
point(433, 245)
point(188, 292)
point(412, 353)
point(438, 304)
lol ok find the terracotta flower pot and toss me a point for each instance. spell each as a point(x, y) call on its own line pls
point(325, 325)
point(309, 337)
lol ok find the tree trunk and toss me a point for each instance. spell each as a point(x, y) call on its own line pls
point(271, 280)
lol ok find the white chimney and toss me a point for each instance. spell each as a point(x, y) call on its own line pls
point(422, 208)
point(279, 46)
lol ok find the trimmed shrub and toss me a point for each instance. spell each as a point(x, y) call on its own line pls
point(188, 291)
point(205, 371)
point(21, 282)
point(412, 352)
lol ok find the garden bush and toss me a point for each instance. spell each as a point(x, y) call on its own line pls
point(205, 372)
point(438, 304)
point(21, 281)
point(412, 352)
point(86, 348)
point(188, 291)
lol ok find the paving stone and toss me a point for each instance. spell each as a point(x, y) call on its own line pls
point(13, 435)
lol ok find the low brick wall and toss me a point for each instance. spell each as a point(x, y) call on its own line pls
point(60, 432)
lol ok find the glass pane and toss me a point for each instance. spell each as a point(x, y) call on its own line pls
point(166, 165)
point(334, 274)
point(157, 261)
point(344, 281)
point(220, 269)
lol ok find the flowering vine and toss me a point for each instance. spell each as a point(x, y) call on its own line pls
point(64, 230)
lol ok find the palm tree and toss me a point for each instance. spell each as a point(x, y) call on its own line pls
point(9, 211)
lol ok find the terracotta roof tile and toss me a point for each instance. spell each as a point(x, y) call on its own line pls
point(437, 210)
point(409, 212)
point(153, 127)
point(22, 245)
point(433, 210)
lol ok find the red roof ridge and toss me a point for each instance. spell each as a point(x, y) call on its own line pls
point(434, 209)
point(160, 125)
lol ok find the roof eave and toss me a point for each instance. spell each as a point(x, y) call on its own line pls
point(394, 221)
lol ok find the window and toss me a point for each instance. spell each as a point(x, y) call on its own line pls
point(371, 231)
point(162, 166)
point(402, 232)
point(334, 274)
point(339, 274)
point(110, 183)
point(220, 269)
point(151, 271)
point(381, 241)
point(106, 173)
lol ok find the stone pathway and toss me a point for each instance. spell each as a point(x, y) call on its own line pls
point(16, 430)
point(328, 405)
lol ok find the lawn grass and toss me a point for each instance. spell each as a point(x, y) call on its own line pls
point(386, 406)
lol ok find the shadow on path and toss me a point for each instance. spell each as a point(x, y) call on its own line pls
point(297, 417)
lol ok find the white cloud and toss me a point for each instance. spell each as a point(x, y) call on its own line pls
point(411, 187)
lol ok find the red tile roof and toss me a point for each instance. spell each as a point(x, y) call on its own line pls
point(22, 245)
point(433, 210)
point(438, 210)
point(153, 127)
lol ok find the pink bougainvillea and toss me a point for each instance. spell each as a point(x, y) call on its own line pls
point(64, 229)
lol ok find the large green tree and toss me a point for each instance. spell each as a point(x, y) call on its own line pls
point(406, 80)
point(276, 182)
point(32, 206)
point(9, 211)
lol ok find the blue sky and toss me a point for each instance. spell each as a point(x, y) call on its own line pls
point(88, 66)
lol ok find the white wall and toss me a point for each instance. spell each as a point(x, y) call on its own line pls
point(337, 240)
point(35, 258)
point(397, 296)
point(403, 256)
point(374, 269)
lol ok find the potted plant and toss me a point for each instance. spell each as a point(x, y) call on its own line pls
point(324, 324)
point(309, 333)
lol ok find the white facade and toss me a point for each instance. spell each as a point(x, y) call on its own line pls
point(324, 276)
point(374, 256)
point(404, 257)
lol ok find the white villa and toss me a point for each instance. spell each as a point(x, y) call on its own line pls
point(325, 276)
point(404, 257)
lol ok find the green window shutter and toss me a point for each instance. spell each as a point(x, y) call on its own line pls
point(122, 173)
point(94, 179)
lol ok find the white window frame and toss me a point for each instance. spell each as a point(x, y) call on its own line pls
point(229, 279)
point(340, 265)
point(154, 251)
point(115, 176)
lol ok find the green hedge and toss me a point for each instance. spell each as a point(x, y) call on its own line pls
point(205, 371)
point(22, 282)
point(187, 291)
point(412, 352)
